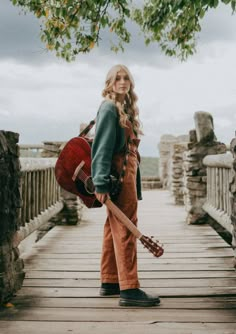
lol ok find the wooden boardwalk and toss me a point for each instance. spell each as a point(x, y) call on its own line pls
point(195, 279)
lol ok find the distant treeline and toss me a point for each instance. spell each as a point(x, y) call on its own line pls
point(149, 166)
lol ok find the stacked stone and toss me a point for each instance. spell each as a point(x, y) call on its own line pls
point(233, 198)
point(52, 149)
point(165, 162)
point(151, 183)
point(72, 211)
point(202, 143)
point(165, 157)
point(177, 184)
point(11, 266)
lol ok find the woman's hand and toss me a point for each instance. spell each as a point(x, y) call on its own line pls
point(101, 197)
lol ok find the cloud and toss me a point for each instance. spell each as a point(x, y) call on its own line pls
point(218, 25)
point(44, 98)
point(20, 35)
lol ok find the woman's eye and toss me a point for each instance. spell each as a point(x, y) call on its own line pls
point(124, 78)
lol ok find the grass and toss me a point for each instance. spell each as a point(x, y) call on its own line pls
point(149, 166)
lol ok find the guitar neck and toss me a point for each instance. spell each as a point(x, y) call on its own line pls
point(123, 218)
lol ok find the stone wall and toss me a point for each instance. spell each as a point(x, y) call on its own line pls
point(202, 143)
point(181, 165)
point(11, 266)
point(165, 162)
point(177, 172)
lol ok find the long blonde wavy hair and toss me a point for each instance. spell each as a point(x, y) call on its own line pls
point(129, 109)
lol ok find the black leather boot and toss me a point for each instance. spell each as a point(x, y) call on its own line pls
point(109, 289)
point(137, 297)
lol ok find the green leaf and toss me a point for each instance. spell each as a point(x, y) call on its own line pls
point(171, 24)
point(233, 5)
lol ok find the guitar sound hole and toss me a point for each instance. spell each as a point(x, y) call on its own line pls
point(89, 185)
point(82, 188)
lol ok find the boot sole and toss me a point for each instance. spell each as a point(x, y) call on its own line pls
point(141, 303)
point(104, 292)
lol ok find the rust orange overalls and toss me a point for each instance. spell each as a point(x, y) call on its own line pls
point(119, 252)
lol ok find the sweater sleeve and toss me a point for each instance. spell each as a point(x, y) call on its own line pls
point(103, 146)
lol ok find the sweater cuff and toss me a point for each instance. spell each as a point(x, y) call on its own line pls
point(102, 189)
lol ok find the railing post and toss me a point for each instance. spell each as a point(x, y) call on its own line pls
point(202, 143)
point(233, 198)
point(11, 266)
point(72, 210)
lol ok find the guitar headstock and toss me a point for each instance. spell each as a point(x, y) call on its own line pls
point(153, 246)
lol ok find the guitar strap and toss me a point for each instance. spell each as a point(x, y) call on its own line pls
point(87, 129)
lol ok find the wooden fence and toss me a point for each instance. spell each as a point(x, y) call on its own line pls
point(40, 195)
point(33, 150)
point(219, 174)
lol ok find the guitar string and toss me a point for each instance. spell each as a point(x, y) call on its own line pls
point(82, 175)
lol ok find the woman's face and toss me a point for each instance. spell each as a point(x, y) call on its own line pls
point(122, 83)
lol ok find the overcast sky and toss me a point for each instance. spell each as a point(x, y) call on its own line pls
point(44, 98)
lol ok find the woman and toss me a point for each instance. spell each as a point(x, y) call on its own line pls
point(118, 128)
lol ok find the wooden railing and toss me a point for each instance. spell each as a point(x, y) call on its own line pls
point(219, 174)
point(33, 150)
point(40, 195)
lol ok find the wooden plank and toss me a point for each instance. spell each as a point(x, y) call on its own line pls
point(168, 249)
point(210, 254)
point(154, 314)
point(93, 292)
point(142, 267)
point(164, 282)
point(181, 243)
point(52, 327)
point(103, 303)
point(142, 274)
point(151, 261)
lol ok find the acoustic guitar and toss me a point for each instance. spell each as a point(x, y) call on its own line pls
point(73, 171)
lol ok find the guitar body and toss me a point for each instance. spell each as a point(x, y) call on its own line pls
point(73, 171)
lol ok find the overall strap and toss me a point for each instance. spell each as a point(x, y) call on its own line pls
point(125, 161)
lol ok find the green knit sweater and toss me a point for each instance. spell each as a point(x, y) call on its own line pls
point(109, 139)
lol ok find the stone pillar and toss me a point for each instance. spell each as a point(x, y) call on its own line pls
point(165, 162)
point(177, 185)
point(164, 151)
point(233, 198)
point(11, 266)
point(72, 211)
point(52, 149)
point(202, 142)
